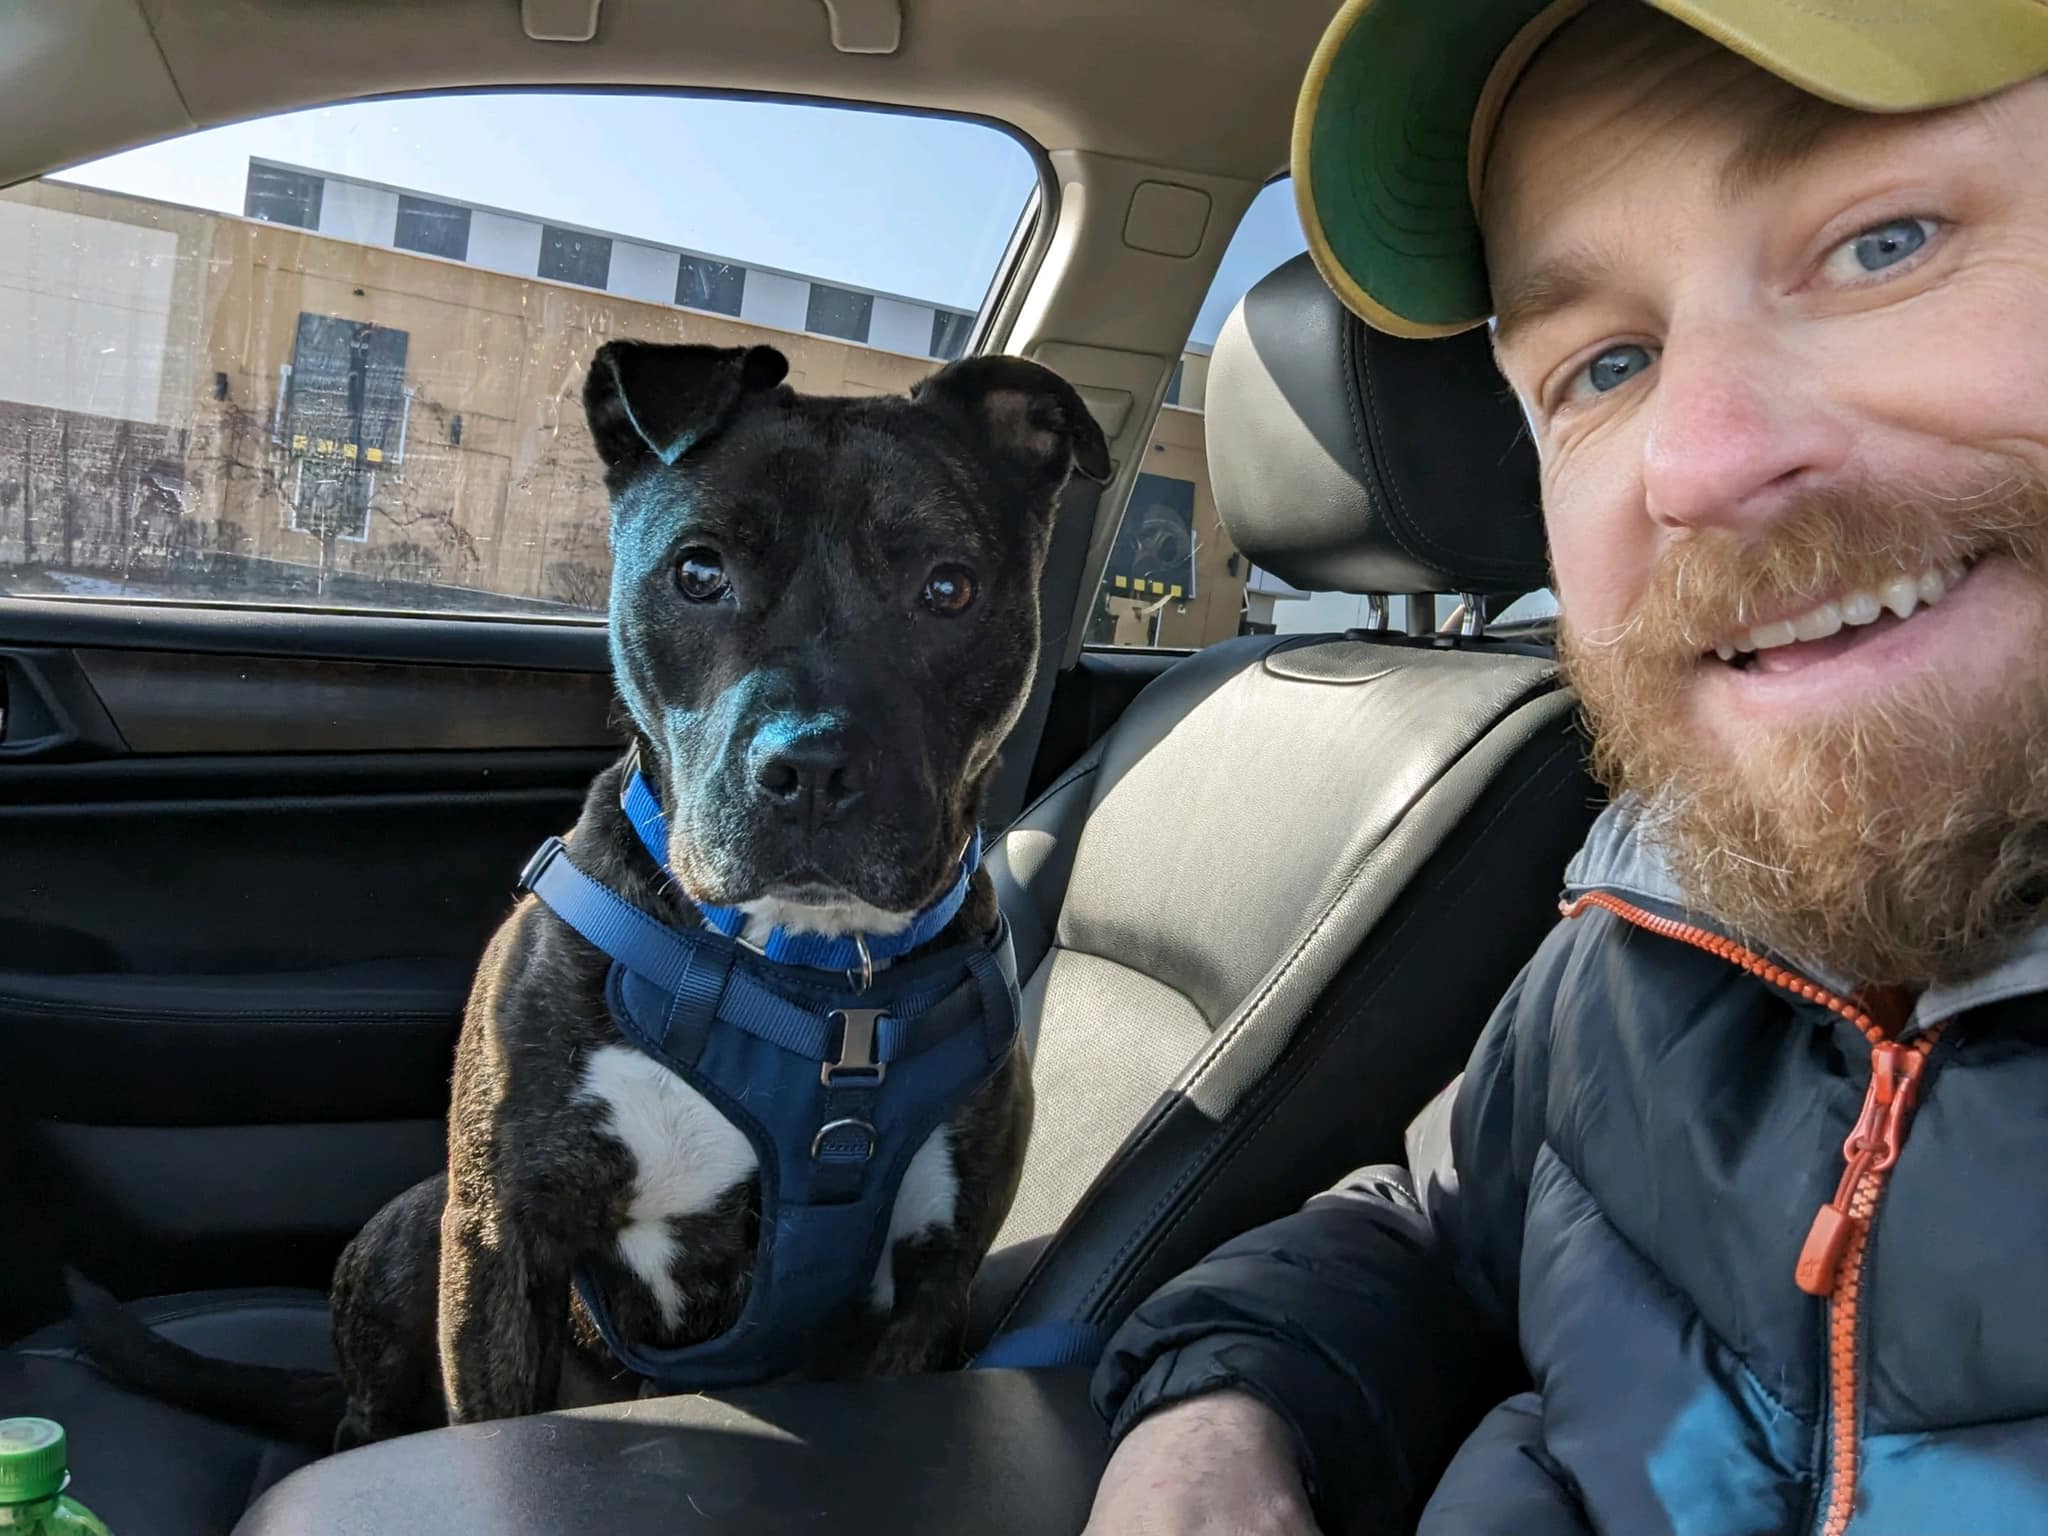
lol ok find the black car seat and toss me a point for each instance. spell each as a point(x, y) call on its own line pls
point(1260, 923)
point(1264, 918)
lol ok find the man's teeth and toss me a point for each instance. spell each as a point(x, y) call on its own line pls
point(1903, 595)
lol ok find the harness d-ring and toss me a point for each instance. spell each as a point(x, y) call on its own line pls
point(846, 1124)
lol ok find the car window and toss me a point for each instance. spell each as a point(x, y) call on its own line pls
point(334, 358)
point(1172, 578)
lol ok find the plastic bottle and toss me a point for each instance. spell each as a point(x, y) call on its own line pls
point(34, 1472)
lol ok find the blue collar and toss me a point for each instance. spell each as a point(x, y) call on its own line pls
point(817, 950)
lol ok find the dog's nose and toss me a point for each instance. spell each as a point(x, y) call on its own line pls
point(819, 776)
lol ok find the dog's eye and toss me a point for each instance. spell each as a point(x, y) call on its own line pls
point(949, 590)
point(700, 575)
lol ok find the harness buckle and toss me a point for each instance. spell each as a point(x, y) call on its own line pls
point(858, 1027)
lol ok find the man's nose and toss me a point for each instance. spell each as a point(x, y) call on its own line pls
point(816, 777)
point(1739, 429)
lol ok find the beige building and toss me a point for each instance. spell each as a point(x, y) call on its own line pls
point(217, 408)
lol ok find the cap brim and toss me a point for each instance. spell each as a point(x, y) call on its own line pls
point(1401, 97)
point(1379, 157)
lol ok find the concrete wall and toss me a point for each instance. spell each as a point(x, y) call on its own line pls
point(777, 302)
point(901, 327)
point(352, 212)
point(644, 272)
point(115, 310)
point(86, 312)
point(504, 244)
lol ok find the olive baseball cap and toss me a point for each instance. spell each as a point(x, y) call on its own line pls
point(1403, 97)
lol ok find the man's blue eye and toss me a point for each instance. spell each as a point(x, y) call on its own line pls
point(1888, 244)
point(1616, 366)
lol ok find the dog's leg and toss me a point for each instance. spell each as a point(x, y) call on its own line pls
point(504, 1313)
point(503, 1304)
point(384, 1319)
point(931, 1262)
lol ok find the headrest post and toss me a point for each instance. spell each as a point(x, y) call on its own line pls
point(1473, 626)
point(1376, 612)
point(1421, 613)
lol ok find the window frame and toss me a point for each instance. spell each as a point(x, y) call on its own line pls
point(1087, 603)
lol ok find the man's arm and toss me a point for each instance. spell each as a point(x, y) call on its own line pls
point(1343, 1351)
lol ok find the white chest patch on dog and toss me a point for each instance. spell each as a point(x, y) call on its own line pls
point(685, 1154)
point(925, 1200)
point(833, 919)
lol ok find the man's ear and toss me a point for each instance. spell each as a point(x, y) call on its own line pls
point(1027, 414)
point(644, 398)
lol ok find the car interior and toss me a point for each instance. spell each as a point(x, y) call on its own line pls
point(1265, 890)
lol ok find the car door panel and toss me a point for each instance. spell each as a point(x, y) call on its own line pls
point(240, 910)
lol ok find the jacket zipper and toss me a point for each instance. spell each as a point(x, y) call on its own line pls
point(1832, 1261)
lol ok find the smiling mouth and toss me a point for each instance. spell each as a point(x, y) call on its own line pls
point(1841, 620)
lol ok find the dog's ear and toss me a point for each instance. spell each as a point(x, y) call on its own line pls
point(1027, 413)
point(646, 398)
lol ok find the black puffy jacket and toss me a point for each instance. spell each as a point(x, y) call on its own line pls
point(1642, 1252)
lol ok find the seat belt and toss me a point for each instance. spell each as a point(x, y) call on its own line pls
point(1066, 562)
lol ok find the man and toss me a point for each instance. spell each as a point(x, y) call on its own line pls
point(1735, 1222)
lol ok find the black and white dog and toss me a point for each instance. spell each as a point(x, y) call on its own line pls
point(739, 1092)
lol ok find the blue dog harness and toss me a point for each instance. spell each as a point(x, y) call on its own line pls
point(837, 1080)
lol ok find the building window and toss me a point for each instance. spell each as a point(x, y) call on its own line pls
point(1180, 370)
point(279, 196)
point(432, 229)
point(949, 333)
point(717, 286)
point(571, 256)
point(839, 312)
point(1154, 553)
point(344, 419)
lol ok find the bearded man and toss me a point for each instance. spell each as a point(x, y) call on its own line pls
point(1735, 1222)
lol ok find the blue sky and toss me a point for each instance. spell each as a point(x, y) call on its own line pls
point(917, 206)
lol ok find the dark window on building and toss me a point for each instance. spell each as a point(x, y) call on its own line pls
point(571, 256)
point(432, 229)
point(1154, 553)
point(1173, 384)
point(278, 196)
point(837, 312)
point(344, 419)
point(949, 333)
point(714, 285)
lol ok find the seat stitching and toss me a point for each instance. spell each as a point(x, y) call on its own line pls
point(1299, 1041)
point(1412, 532)
point(1140, 1134)
point(1249, 1132)
point(1281, 971)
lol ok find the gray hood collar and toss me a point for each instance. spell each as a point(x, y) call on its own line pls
point(1617, 857)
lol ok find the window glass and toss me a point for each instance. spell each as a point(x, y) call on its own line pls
point(319, 359)
point(278, 196)
point(837, 312)
point(718, 287)
point(950, 331)
point(1173, 579)
point(431, 228)
point(574, 256)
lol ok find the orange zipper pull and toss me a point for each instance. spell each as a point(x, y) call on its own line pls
point(1872, 1147)
point(1820, 1260)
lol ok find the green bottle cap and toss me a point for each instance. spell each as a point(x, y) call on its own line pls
point(32, 1461)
